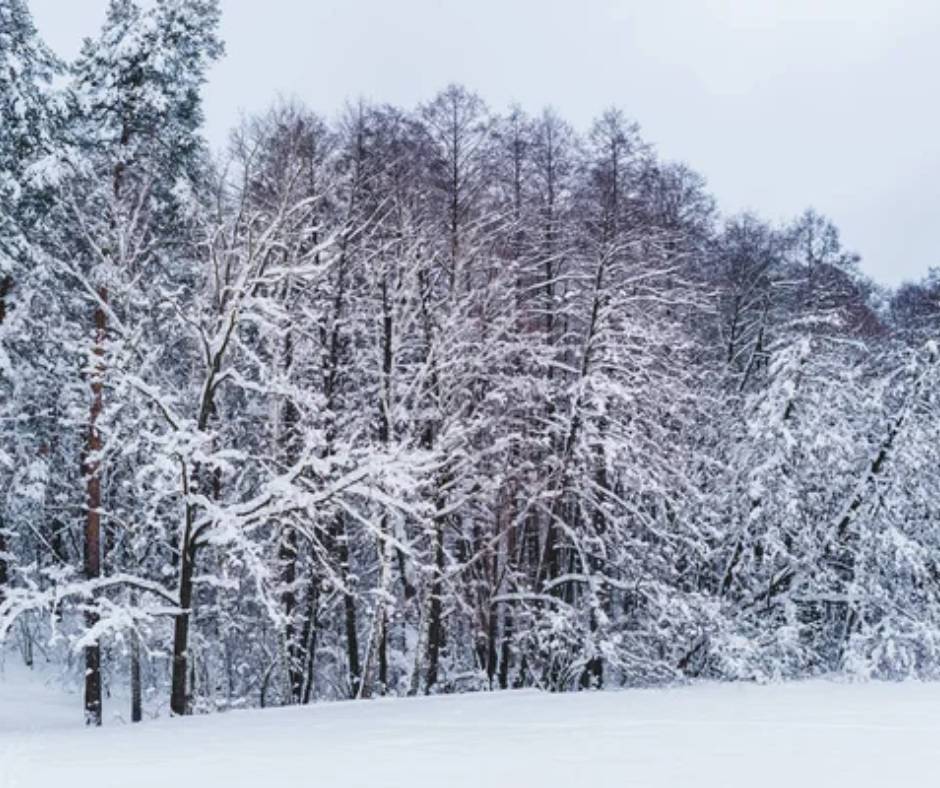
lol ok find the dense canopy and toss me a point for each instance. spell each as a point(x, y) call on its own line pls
point(431, 399)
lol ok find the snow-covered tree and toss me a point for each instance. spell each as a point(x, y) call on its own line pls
point(427, 400)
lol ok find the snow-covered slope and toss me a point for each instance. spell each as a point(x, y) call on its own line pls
point(797, 735)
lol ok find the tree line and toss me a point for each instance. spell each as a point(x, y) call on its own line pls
point(431, 400)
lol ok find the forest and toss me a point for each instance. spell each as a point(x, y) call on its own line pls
point(431, 400)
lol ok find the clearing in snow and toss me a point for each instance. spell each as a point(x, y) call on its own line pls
point(802, 734)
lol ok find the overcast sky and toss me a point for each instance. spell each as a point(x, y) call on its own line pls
point(781, 104)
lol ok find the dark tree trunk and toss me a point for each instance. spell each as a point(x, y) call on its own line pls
point(92, 679)
point(310, 639)
point(179, 700)
point(349, 608)
point(505, 651)
point(4, 572)
point(6, 285)
point(295, 661)
point(491, 644)
point(435, 622)
point(92, 541)
point(352, 646)
point(384, 436)
point(288, 544)
point(383, 655)
point(137, 713)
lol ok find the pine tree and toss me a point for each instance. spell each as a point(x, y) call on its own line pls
point(129, 148)
point(28, 114)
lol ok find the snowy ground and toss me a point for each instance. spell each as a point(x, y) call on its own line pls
point(798, 735)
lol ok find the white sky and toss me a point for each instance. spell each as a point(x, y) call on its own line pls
point(781, 104)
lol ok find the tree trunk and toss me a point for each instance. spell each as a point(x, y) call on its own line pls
point(4, 574)
point(349, 607)
point(435, 623)
point(293, 649)
point(383, 655)
point(92, 542)
point(287, 548)
point(376, 649)
point(380, 621)
point(6, 284)
point(179, 701)
point(310, 638)
point(352, 646)
point(136, 694)
point(506, 650)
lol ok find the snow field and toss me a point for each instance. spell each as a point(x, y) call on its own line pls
point(796, 735)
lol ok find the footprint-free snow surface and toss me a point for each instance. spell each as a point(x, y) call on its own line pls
point(794, 735)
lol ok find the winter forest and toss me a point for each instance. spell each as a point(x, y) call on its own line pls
point(430, 400)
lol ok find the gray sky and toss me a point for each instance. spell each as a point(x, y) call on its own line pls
point(781, 104)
